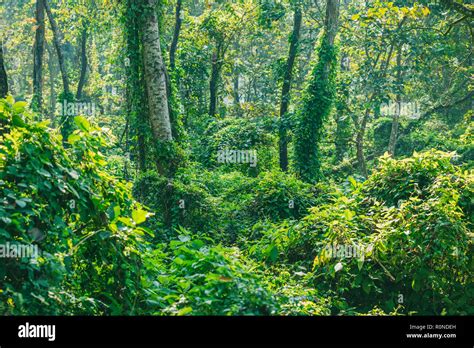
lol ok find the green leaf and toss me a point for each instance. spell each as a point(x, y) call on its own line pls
point(352, 181)
point(21, 203)
point(348, 214)
point(18, 121)
point(273, 254)
point(44, 172)
point(82, 123)
point(360, 263)
point(185, 310)
point(415, 285)
point(139, 215)
point(366, 287)
point(73, 138)
point(19, 107)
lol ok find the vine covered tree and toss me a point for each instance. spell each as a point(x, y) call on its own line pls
point(317, 100)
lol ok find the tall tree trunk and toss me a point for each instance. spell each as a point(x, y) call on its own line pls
point(396, 118)
point(360, 143)
point(136, 96)
point(3, 74)
point(38, 49)
point(373, 100)
point(330, 26)
point(318, 101)
point(52, 82)
point(215, 71)
point(343, 121)
point(84, 63)
point(285, 91)
point(155, 75)
point(169, 88)
point(57, 45)
point(177, 28)
point(236, 84)
point(236, 92)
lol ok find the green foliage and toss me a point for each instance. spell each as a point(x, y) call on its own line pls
point(67, 122)
point(278, 195)
point(180, 201)
point(238, 134)
point(447, 138)
point(413, 236)
point(382, 130)
point(80, 218)
point(399, 180)
point(269, 12)
point(192, 277)
point(403, 235)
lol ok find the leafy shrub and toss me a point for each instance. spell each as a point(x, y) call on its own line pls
point(278, 195)
point(382, 130)
point(412, 234)
point(447, 138)
point(398, 180)
point(238, 134)
point(409, 240)
point(182, 201)
point(192, 277)
point(295, 294)
point(82, 219)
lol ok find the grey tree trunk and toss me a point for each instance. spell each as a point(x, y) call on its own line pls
point(236, 92)
point(285, 90)
point(3, 74)
point(236, 84)
point(57, 45)
point(360, 144)
point(330, 26)
point(82, 78)
point(38, 49)
point(53, 73)
point(155, 75)
point(213, 82)
point(343, 119)
point(177, 28)
point(396, 118)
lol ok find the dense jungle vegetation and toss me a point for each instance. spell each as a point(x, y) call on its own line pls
point(246, 157)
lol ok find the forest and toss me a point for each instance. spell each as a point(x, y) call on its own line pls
point(236, 157)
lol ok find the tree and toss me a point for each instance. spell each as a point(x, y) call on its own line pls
point(343, 120)
point(396, 118)
point(177, 28)
point(155, 79)
point(83, 74)
point(66, 121)
point(3, 74)
point(136, 93)
point(38, 49)
point(317, 100)
point(223, 25)
point(58, 46)
point(285, 91)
